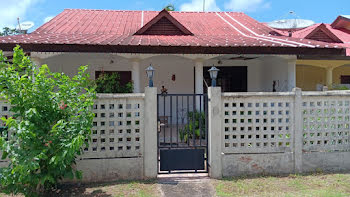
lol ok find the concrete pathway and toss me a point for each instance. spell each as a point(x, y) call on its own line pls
point(185, 185)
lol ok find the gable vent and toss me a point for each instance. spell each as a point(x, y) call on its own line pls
point(321, 36)
point(163, 27)
point(163, 24)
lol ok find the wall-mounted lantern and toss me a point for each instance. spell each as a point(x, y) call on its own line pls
point(150, 74)
point(213, 71)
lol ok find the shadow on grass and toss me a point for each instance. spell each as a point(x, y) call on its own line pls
point(80, 189)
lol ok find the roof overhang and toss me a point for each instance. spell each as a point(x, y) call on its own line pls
point(341, 22)
point(175, 49)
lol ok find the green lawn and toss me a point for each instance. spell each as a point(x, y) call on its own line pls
point(318, 185)
point(114, 189)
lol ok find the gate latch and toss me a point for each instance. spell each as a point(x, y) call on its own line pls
point(159, 125)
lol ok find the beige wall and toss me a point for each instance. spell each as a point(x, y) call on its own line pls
point(337, 72)
point(309, 76)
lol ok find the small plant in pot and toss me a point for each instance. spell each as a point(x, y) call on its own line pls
point(196, 126)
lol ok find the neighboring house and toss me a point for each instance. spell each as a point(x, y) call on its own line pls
point(324, 71)
point(181, 46)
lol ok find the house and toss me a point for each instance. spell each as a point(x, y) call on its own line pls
point(181, 46)
point(242, 127)
point(315, 73)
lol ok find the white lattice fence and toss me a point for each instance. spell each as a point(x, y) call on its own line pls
point(4, 112)
point(326, 120)
point(257, 123)
point(117, 127)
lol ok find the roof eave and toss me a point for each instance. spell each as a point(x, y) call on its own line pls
point(175, 49)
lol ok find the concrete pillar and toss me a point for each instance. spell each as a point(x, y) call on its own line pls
point(291, 74)
point(135, 74)
point(37, 61)
point(329, 77)
point(298, 131)
point(150, 159)
point(199, 83)
point(215, 116)
point(199, 76)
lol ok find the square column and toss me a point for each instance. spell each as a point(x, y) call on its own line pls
point(135, 74)
point(329, 77)
point(291, 74)
point(199, 76)
point(215, 117)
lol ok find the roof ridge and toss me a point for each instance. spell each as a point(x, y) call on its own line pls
point(84, 9)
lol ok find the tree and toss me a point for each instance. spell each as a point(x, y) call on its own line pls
point(52, 120)
point(9, 32)
point(169, 7)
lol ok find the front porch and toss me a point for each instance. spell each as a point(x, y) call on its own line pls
point(184, 73)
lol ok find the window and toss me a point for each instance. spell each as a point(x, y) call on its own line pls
point(345, 79)
point(125, 76)
point(113, 82)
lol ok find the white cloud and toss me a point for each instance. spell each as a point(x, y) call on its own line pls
point(47, 19)
point(197, 5)
point(11, 9)
point(246, 5)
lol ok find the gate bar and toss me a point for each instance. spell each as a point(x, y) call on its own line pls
point(171, 121)
point(177, 122)
point(200, 120)
point(193, 121)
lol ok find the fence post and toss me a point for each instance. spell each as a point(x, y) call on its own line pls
point(150, 133)
point(215, 116)
point(298, 131)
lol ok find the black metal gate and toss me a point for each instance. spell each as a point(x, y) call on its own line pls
point(182, 133)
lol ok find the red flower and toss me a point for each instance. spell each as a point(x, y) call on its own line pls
point(63, 106)
point(50, 142)
point(46, 144)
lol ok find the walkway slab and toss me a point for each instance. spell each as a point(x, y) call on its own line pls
point(185, 185)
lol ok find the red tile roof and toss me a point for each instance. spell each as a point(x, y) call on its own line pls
point(342, 34)
point(110, 28)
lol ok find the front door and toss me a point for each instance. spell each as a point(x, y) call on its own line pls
point(230, 78)
point(182, 133)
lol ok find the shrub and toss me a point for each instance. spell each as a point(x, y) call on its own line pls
point(52, 120)
point(110, 83)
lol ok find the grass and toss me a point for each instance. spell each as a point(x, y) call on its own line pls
point(114, 189)
point(320, 185)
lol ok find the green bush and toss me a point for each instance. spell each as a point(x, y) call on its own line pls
point(110, 83)
point(195, 125)
point(52, 120)
point(339, 87)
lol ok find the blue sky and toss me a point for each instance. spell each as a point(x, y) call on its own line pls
point(39, 11)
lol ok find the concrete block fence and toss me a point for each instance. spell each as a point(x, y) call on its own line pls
point(124, 138)
point(249, 133)
point(278, 133)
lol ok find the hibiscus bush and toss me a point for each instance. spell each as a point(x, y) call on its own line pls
point(51, 122)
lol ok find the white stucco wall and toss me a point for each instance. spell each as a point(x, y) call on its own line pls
point(278, 69)
point(261, 71)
